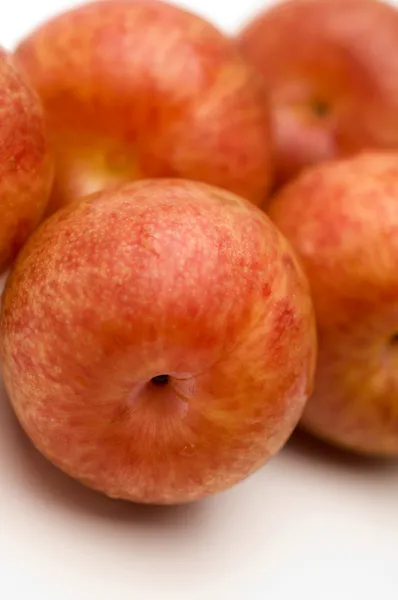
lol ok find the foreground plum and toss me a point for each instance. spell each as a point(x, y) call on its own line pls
point(158, 340)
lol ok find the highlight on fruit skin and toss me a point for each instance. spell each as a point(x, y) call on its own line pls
point(342, 219)
point(143, 89)
point(158, 340)
point(330, 69)
point(26, 168)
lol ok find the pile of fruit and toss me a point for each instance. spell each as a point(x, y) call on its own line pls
point(201, 240)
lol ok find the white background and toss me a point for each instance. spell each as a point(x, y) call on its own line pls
point(313, 524)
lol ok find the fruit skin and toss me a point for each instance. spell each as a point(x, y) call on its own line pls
point(25, 163)
point(158, 277)
point(342, 218)
point(331, 73)
point(143, 89)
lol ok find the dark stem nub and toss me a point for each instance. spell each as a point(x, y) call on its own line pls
point(160, 380)
point(394, 340)
point(320, 108)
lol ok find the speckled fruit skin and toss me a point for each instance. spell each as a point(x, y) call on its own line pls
point(331, 72)
point(342, 218)
point(138, 89)
point(25, 164)
point(158, 277)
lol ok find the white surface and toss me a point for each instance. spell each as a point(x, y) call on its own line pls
point(313, 524)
